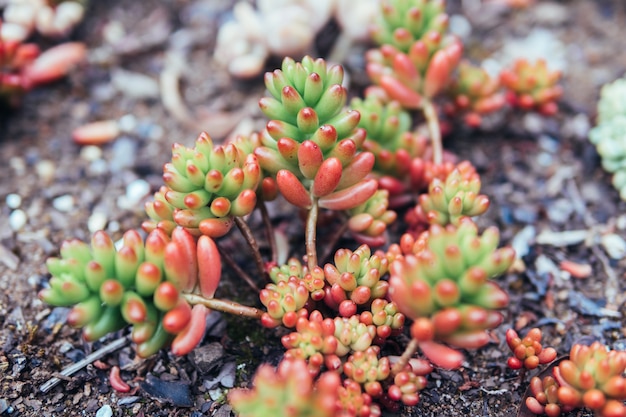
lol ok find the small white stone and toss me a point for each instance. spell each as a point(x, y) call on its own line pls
point(614, 245)
point(13, 200)
point(104, 411)
point(91, 153)
point(97, 221)
point(63, 203)
point(114, 226)
point(46, 170)
point(460, 26)
point(137, 189)
point(127, 123)
point(17, 219)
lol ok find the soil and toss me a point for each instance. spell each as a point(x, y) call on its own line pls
point(541, 174)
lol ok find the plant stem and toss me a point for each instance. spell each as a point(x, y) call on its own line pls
point(231, 262)
point(226, 306)
point(432, 120)
point(408, 353)
point(331, 244)
point(247, 234)
point(311, 231)
point(269, 228)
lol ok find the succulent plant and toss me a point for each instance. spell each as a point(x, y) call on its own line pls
point(312, 144)
point(355, 279)
point(446, 281)
point(286, 392)
point(15, 57)
point(608, 136)
point(314, 340)
point(528, 352)
point(416, 57)
point(206, 187)
point(285, 302)
point(141, 284)
point(532, 86)
point(450, 200)
point(353, 402)
point(385, 316)
point(366, 368)
point(593, 377)
point(353, 335)
point(406, 386)
point(544, 397)
point(474, 93)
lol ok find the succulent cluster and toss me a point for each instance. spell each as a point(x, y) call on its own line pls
point(474, 93)
point(205, 187)
point(608, 136)
point(52, 18)
point(141, 284)
point(528, 352)
point(532, 86)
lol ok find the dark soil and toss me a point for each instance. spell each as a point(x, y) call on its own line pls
point(541, 175)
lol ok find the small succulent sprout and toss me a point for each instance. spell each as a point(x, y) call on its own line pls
point(353, 335)
point(593, 377)
point(161, 214)
point(139, 284)
point(314, 340)
point(284, 301)
point(406, 387)
point(544, 399)
point(311, 145)
point(355, 279)
point(448, 201)
point(369, 370)
point(385, 316)
point(313, 281)
point(528, 352)
point(474, 93)
point(352, 401)
point(447, 281)
point(290, 387)
point(206, 186)
point(532, 86)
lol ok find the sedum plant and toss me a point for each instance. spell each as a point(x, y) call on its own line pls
point(532, 86)
point(608, 136)
point(528, 353)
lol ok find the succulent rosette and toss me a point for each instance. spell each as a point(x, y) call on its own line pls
point(593, 377)
point(389, 135)
point(368, 369)
point(445, 284)
point(532, 86)
point(528, 351)
point(141, 284)
point(286, 391)
point(314, 340)
point(544, 397)
point(416, 57)
point(352, 401)
point(474, 93)
point(355, 279)
point(206, 187)
point(450, 200)
point(312, 144)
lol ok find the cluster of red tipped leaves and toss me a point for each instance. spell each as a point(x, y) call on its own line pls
point(528, 352)
point(23, 66)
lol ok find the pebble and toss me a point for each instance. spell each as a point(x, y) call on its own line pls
point(46, 170)
point(134, 84)
point(566, 238)
point(64, 203)
point(577, 127)
point(105, 411)
point(550, 13)
point(123, 155)
point(127, 123)
point(460, 26)
point(560, 211)
point(135, 191)
point(614, 245)
point(91, 153)
point(13, 200)
point(522, 240)
point(17, 220)
point(97, 221)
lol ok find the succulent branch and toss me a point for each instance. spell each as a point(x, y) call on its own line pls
point(528, 353)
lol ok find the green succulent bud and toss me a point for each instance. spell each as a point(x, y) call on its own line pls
point(446, 278)
point(368, 369)
point(368, 222)
point(313, 340)
point(284, 302)
point(449, 201)
point(352, 335)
